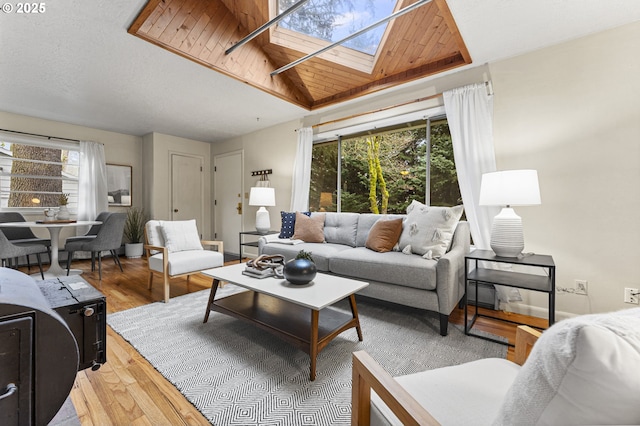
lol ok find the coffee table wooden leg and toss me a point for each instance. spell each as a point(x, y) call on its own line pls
point(313, 343)
point(354, 311)
point(212, 295)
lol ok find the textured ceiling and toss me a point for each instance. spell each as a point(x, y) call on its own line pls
point(77, 64)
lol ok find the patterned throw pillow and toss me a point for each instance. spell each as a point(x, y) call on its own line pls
point(428, 231)
point(289, 223)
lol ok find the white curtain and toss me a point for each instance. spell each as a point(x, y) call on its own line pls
point(92, 182)
point(302, 171)
point(470, 115)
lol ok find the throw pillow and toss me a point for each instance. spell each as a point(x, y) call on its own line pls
point(384, 235)
point(288, 223)
point(309, 229)
point(429, 230)
point(578, 373)
point(180, 235)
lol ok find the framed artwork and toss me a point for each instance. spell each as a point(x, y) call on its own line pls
point(119, 185)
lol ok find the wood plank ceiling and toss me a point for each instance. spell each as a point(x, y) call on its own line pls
point(420, 43)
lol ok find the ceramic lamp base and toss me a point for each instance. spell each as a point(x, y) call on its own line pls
point(507, 238)
point(263, 223)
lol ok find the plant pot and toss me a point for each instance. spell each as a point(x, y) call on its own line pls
point(63, 213)
point(299, 271)
point(133, 250)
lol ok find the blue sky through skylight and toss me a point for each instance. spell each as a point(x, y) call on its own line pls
point(332, 20)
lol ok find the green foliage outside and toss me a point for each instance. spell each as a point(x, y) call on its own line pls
point(383, 173)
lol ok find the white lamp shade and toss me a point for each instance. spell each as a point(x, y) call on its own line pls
point(510, 188)
point(260, 196)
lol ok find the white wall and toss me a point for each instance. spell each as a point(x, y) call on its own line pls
point(119, 148)
point(573, 113)
point(158, 149)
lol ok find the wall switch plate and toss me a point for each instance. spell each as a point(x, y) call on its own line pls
point(581, 287)
point(631, 295)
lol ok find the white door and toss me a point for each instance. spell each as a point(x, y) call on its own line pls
point(186, 189)
point(229, 202)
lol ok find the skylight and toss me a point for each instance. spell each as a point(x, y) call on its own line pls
point(333, 20)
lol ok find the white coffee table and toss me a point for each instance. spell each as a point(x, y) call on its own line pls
point(291, 312)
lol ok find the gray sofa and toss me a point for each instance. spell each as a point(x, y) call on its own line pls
point(434, 285)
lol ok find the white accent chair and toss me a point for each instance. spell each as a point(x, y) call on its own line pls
point(582, 370)
point(174, 249)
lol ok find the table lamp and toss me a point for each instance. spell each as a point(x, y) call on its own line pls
point(262, 196)
point(509, 188)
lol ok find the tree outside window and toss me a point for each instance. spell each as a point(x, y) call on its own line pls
point(383, 172)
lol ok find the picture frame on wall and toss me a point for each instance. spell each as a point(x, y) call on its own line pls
point(119, 185)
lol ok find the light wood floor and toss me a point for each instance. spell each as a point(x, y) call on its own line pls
point(127, 390)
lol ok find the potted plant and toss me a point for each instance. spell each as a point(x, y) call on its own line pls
point(134, 232)
point(63, 213)
point(300, 270)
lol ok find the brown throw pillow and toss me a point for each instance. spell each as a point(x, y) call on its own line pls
point(384, 234)
point(309, 229)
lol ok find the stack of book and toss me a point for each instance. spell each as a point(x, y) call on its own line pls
point(258, 273)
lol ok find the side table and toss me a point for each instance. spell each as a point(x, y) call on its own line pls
point(480, 273)
point(250, 243)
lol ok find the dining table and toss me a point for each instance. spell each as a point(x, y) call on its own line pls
point(54, 227)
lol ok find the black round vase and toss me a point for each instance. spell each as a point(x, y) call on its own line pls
point(299, 271)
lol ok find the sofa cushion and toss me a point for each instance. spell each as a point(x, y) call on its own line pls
point(582, 370)
point(392, 267)
point(384, 235)
point(366, 221)
point(341, 228)
point(183, 262)
point(321, 252)
point(288, 223)
point(309, 229)
point(180, 235)
point(428, 230)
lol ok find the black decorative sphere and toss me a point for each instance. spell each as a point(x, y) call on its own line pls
point(299, 271)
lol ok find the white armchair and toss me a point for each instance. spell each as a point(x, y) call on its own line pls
point(581, 371)
point(174, 249)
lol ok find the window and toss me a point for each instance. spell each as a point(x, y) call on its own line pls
point(35, 175)
point(333, 20)
point(383, 171)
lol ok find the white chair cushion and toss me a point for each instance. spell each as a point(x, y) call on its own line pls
point(583, 370)
point(183, 262)
point(466, 394)
point(180, 235)
point(154, 234)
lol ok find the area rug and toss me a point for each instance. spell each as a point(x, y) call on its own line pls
point(236, 374)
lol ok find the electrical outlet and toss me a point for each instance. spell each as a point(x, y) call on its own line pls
point(581, 287)
point(631, 295)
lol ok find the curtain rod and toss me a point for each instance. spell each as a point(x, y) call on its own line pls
point(426, 98)
point(487, 84)
point(41, 136)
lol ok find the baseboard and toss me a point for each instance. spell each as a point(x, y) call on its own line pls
point(534, 311)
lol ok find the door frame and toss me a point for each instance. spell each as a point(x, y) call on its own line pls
point(240, 177)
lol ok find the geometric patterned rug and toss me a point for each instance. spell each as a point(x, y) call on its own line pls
point(236, 374)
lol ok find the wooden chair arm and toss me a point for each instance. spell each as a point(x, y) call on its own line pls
point(525, 339)
point(149, 247)
point(218, 244)
point(367, 375)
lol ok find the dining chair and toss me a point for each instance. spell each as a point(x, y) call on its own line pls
point(108, 238)
point(22, 236)
point(93, 231)
point(8, 251)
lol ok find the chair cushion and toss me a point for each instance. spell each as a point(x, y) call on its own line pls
point(183, 262)
point(583, 370)
point(428, 231)
point(466, 394)
point(180, 235)
point(154, 233)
